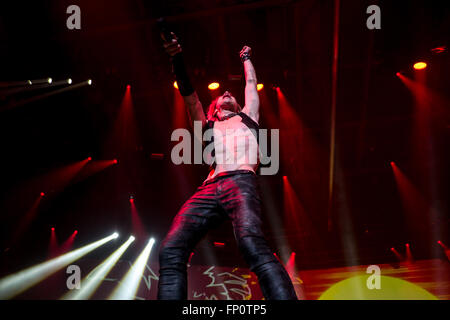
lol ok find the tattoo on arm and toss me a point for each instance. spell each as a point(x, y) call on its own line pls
point(194, 108)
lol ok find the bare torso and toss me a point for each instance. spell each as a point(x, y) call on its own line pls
point(235, 147)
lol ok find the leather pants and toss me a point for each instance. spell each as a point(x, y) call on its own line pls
point(234, 196)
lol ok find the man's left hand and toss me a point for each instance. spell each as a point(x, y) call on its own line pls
point(245, 50)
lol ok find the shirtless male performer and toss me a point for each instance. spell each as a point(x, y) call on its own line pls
point(230, 191)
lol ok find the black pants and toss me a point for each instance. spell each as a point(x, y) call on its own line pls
point(234, 196)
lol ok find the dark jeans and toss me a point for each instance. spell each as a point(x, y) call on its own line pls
point(234, 196)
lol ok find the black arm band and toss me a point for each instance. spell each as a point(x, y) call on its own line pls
point(179, 69)
point(245, 57)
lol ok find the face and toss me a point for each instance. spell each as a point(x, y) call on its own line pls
point(227, 102)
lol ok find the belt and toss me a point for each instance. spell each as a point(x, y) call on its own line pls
point(227, 174)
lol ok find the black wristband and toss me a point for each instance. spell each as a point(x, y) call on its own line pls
point(184, 84)
point(245, 56)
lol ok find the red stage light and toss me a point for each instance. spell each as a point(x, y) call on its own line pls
point(439, 241)
point(75, 232)
point(115, 161)
point(398, 74)
point(439, 49)
point(219, 244)
point(42, 194)
point(128, 87)
point(213, 86)
point(392, 163)
point(407, 245)
point(190, 257)
point(420, 65)
point(89, 158)
point(158, 156)
point(392, 249)
point(131, 200)
point(53, 229)
point(175, 85)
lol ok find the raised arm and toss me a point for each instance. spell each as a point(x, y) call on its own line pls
point(191, 101)
point(251, 107)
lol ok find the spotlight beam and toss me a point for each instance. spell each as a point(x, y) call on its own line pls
point(34, 87)
point(8, 84)
point(16, 283)
point(45, 95)
point(96, 276)
point(129, 285)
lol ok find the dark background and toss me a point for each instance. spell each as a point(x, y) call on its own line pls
point(292, 41)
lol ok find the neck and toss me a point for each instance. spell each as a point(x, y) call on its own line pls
point(223, 113)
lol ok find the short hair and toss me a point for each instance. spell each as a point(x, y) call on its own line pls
point(212, 108)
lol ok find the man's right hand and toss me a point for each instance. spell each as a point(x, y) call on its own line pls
point(172, 48)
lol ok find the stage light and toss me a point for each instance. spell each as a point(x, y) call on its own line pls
point(446, 249)
point(219, 244)
point(89, 82)
point(115, 161)
point(115, 235)
point(128, 286)
point(128, 87)
point(69, 81)
point(409, 257)
point(49, 80)
point(29, 82)
point(259, 86)
point(420, 65)
point(53, 229)
point(190, 257)
point(14, 284)
point(439, 49)
point(89, 158)
point(158, 156)
point(175, 85)
point(42, 194)
point(75, 232)
point(97, 275)
point(291, 267)
point(213, 86)
point(399, 257)
point(398, 74)
point(392, 163)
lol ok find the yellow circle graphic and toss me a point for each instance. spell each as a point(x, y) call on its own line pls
point(356, 288)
